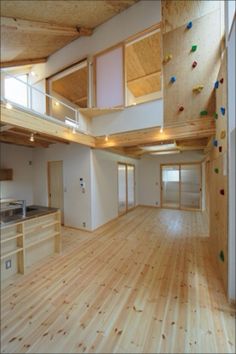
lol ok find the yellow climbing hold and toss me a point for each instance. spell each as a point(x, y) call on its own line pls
point(198, 88)
point(223, 134)
point(167, 58)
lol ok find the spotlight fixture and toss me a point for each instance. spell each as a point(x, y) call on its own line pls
point(161, 130)
point(31, 137)
point(33, 73)
point(106, 138)
point(8, 105)
point(57, 103)
point(73, 130)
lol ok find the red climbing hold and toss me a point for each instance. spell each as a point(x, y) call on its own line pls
point(220, 148)
point(181, 108)
point(222, 192)
point(222, 80)
point(194, 64)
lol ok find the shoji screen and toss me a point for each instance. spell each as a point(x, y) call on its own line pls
point(110, 78)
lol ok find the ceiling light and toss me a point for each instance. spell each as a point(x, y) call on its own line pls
point(31, 137)
point(161, 130)
point(106, 138)
point(161, 147)
point(165, 152)
point(57, 103)
point(73, 130)
point(8, 105)
point(33, 73)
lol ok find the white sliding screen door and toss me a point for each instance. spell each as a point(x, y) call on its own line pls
point(109, 77)
point(130, 186)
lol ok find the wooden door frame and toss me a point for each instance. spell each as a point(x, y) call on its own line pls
point(181, 164)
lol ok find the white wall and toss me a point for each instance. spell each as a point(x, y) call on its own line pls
point(149, 175)
point(146, 115)
point(131, 21)
point(76, 165)
point(105, 186)
point(232, 148)
point(18, 158)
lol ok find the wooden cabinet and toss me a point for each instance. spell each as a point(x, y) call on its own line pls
point(27, 242)
point(6, 174)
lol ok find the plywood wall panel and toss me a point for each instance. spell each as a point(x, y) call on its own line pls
point(219, 182)
point(176, 13)
point(206, 34)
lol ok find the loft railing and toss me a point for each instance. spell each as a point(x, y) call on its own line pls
point(22, 95)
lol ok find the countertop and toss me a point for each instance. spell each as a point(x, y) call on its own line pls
point(32, 211)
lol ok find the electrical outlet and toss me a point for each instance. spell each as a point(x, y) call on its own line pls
point(8, 264)
point(84, 224)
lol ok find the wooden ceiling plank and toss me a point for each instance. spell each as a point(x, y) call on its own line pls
point(5, 128)
point(138, 79)
point(192, 130)
point(8, 64)
point(15, 24)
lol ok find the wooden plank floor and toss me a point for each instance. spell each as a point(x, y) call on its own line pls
point(143, 283)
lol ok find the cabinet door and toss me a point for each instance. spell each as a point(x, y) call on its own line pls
point(109, 76)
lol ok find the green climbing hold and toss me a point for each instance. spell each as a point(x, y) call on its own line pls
point(194, 48)
point(216, 170)
point(221, 256)
point(203, 113)
point(216, 115)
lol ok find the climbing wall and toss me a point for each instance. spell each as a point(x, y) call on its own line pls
point(218, 178)
point(191, 63)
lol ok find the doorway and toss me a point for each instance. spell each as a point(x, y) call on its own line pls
point(126, 187)
point(181, 186)
point(55, 186)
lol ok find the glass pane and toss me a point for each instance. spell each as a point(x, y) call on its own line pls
point(17, 91)
point(170, 186)
point(130, 181)
point(122, 188)
point(190, 186)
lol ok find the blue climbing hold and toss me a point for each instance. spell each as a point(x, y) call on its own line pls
point(222, 109)
point(216, 85)
point(189, 25)
point(215, 143)
point(172, 79)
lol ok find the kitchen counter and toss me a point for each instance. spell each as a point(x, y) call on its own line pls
point(32, 211)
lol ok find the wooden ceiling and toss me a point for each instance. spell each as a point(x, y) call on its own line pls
point(31, 30)
point(143, 65)
point(73, 87)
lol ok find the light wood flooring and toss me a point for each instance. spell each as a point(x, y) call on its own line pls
point(142, 283)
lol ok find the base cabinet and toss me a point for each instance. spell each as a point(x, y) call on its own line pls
point(25, 243)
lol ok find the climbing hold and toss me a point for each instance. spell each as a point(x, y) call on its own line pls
point(216, 85)
point(181, 108)
point(198, 88)
point(172, 79)
point(221, 256)
point(222, 192)
point(216, 170)
point(223, 134)
point(194, 64)
point(222, 109)
point(215, 142)
point(167, 58)
point(216, 115)
point(203, 113)
point(222, 80)
point(194, 48)
point(220, 148)
point(189, 25)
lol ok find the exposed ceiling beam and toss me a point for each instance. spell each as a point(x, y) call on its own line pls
point(14, 24)
point(20, 140)
point(5, 128)
point(29, 121)
point(80, 99)
point(197, 129)
point(8, 64)
point(40, 137)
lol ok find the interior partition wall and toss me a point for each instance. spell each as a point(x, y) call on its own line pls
point(181, 186)
point(126, 187)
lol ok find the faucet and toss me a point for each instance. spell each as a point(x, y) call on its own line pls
point(23, 205)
